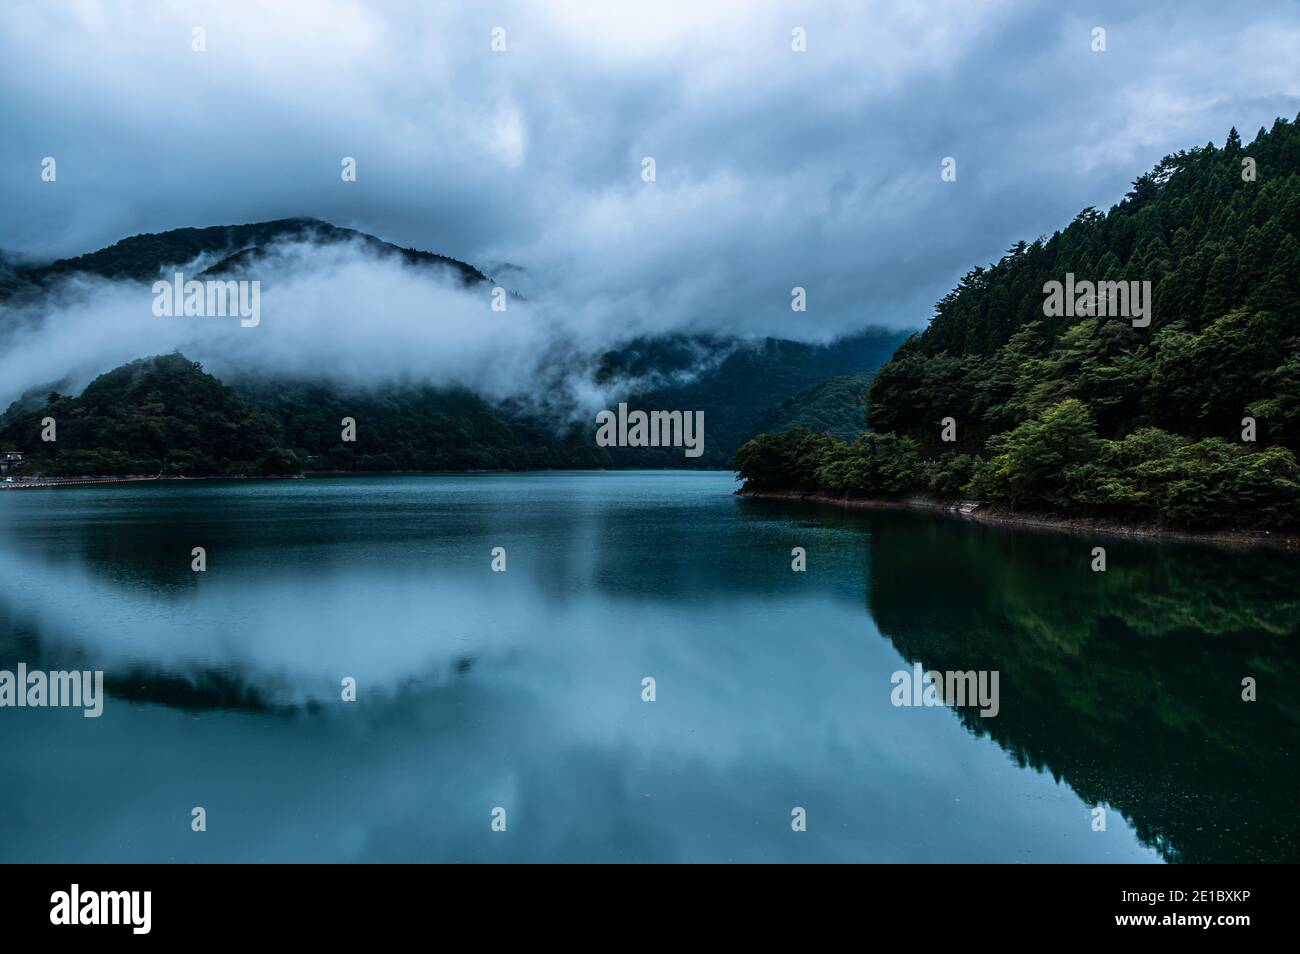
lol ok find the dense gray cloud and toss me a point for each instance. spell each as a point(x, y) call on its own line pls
point(774, 168)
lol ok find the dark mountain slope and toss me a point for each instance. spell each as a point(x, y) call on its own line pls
point(142, 257)
point(1191, 421)
point(155, 415)
point(738, 397)
point(735, 383)
point(836, 406)
point(415, 428)
point(418, 427)
point(1223, 259)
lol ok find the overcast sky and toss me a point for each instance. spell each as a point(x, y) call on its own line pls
point(775, 168)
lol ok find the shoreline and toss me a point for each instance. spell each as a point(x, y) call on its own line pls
point(968, 510)
point(50, 483)
point(991, 516)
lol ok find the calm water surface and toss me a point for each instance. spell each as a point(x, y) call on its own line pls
point(523, 689)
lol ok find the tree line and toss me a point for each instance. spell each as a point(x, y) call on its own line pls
point(1193, 421)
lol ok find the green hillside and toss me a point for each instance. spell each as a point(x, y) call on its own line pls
point(755, 385)
point(1090, 415)
point(165, 414)
point(413, 428)
point(740, 386)
point(836, 406)
point(159, 415)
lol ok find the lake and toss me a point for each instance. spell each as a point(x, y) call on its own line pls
point(523, 690)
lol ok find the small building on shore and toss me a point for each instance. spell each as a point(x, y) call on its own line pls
point(10, 459)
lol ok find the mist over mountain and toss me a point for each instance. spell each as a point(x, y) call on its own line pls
point(774, 168)
point(405, 341)
point(336, 304)
point(142, 257)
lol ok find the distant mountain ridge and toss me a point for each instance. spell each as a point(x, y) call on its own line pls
point(165, 414)
point(142, 257)
point(737, 383)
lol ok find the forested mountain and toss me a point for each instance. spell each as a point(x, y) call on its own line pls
point(415, 428)
point(835, 406)
point(1090, 414)
point(165, 414)
point(737, 383)
point(141, 257)
point(755, 384)
point(158, 415)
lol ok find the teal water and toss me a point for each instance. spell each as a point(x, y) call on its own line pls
point(523, 689)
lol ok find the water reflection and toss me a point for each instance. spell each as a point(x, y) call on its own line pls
point(523, 688)
point(1126, 684)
